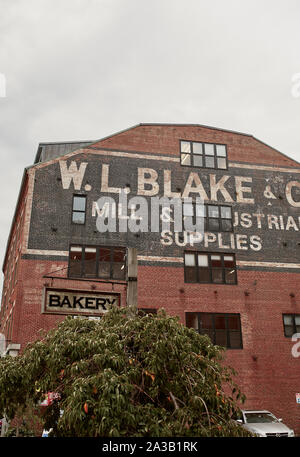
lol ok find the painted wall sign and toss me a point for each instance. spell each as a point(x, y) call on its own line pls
point(150, 182)
point(265, 203)
point(78, 303)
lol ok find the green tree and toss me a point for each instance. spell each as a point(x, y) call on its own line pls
point(125, 375)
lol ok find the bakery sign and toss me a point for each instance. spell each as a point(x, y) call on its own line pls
point(78, 302)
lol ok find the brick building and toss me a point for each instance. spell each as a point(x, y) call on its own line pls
point(236, 279)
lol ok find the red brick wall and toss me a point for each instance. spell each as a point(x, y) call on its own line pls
point(268, 374)
point(266, 371)
point(11, 267)
point(164, 139)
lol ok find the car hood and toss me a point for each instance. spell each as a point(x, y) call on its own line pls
point(275, 427)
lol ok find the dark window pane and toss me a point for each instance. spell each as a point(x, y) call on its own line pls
point(226, 225)
point(206, 321)
point(288, 319)
point(233, 322)
point(230, 276)
point(221, 338)
point(190, 274)
point(220, 322)
point(192, 320)
point(78, 218)
point(79, 203)
point(289, 330)
point(217, 275)
point(289, 327)
point(213, 224)
point(90, 262)
point(297, 324)
point(104, 270)
point(104, 255)
point(216, 261)
point(118, 271)
point(119, 255)
point(204, 275)
point(235, 340)
point(75, 261)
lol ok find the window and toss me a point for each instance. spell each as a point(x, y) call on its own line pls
point(223, 329)
point(209, 268)
point(143, 311)
point(291, 324)
point(78, 209)
point(213, 218)
point(9, 328)
point(97, 262)
point(204, 155)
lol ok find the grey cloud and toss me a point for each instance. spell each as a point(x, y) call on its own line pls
point(84, 69)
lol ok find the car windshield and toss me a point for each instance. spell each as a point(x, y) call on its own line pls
point(254, 418)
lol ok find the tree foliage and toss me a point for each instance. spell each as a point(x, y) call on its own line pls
point(125, 375)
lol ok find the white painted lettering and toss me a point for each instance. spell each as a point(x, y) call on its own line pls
point(198, 188)
point(151, 181)
point(104, 181)
point(288, 193)
point(241, 190)
point(72, 174)
point(216, 187)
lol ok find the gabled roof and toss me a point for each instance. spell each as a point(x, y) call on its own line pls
point(51, 150)
point(48, 151)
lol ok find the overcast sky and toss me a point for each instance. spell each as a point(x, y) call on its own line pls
point(84, 69)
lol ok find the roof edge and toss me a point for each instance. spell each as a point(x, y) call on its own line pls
point(45, 143)
point(274, 149)
point(194, 125)
point(14, 217)
point(197, 125)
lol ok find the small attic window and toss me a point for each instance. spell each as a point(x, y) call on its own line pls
point(204, 155)
point(39, 154)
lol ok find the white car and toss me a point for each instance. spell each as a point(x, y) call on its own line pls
point(263, 423)
point(45, 433)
